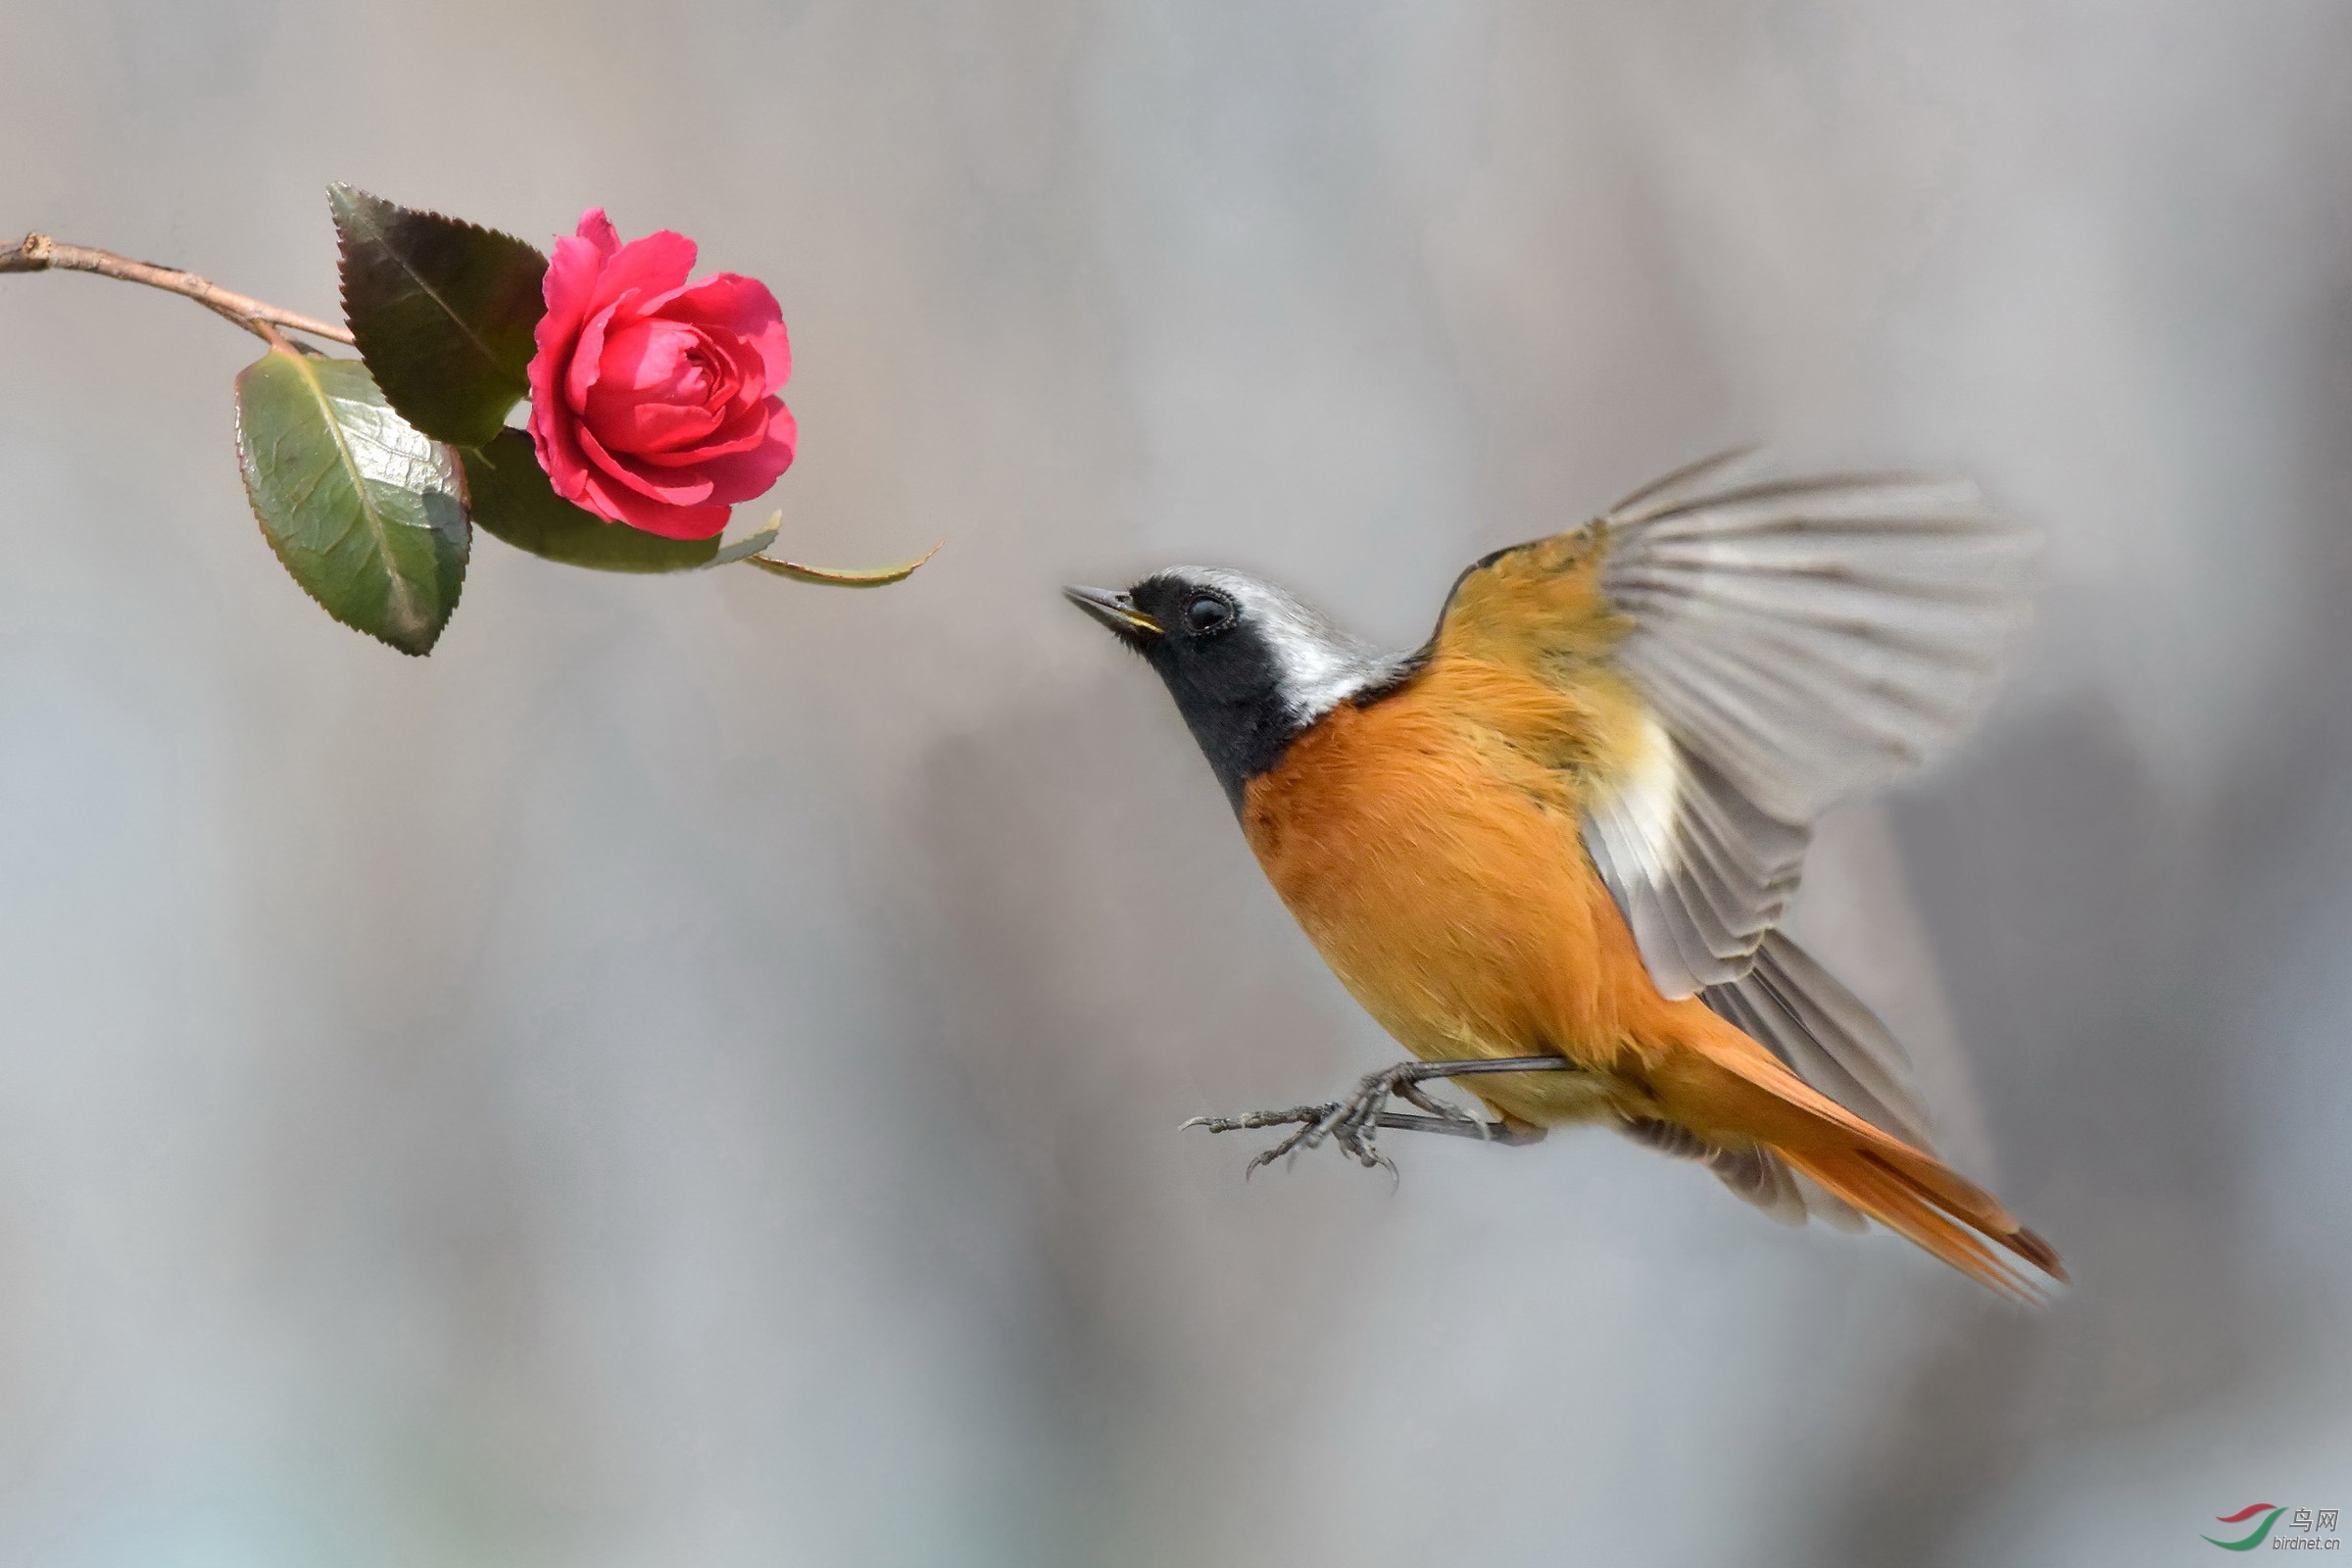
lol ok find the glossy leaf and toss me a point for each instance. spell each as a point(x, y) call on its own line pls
point(512, 499)
point(442, 309)
point(364, 510)
point(876, 577)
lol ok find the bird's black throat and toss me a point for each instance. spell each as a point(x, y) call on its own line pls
point(1233, 703)
point(1251, 686)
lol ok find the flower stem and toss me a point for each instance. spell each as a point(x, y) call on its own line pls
point(38, 253)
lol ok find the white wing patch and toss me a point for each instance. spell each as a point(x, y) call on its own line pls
point(1645, 801)
point(1701, 874)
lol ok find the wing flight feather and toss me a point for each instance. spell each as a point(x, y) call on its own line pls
point(1791, 644)
point(1782, 646)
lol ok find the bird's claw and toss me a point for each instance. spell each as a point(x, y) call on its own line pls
point(1314, 1123)
point(1352, 1124)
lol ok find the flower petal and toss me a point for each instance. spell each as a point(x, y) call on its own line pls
point(675, 488)
point(598, 231)
point(558, 448)
point(737, 307)
point(744, 429)
point(624, 506)
point(653, 360)
point(745, 369)
point(651, 431)
point(657, 357)
point(676, 522)
point(655, 265)
point(571, 283)
point(745, 474)
point(587, 355)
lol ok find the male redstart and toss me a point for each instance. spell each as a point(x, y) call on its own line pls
point(1549, 850)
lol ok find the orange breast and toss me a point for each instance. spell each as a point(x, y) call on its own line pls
point(1437, 868)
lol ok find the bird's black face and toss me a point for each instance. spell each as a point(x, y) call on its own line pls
point(1250, 666)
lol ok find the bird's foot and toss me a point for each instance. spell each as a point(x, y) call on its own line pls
point(1314, 1125)
point(1352, 1123)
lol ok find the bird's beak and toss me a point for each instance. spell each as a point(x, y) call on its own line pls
point(1115, 611)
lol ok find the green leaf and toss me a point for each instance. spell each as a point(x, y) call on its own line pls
point(512, 499)
point(364, 510)
point(876, 577)
point(443, 312)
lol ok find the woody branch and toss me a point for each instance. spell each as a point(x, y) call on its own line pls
point(38, 253)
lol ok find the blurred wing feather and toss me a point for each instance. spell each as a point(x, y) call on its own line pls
point(1826, 1035)
point(1756, 1174)
point(1797, 643)
point(1814, 638)
point(1781, 646)
point(1700, 873)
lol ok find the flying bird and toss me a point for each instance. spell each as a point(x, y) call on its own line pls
point(1549, 850)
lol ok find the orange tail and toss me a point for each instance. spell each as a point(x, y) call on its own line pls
point(1944, 1212)
point(1751, 1096)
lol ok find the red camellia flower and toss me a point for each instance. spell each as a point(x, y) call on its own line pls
point(652, 398)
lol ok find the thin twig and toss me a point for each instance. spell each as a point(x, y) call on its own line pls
point(38, 253)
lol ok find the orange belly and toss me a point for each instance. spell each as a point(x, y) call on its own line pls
point(1443, 878)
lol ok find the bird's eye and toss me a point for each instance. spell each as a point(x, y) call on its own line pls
point(1206, 612)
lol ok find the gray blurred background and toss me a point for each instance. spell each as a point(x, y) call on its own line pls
point(689, 1073)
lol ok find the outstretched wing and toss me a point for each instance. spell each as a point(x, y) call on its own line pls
point(1787, 645)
